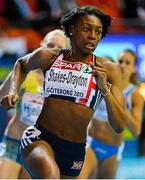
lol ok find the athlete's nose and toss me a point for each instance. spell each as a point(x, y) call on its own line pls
point(92, 35)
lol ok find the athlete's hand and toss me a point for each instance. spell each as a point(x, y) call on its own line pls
point(100, 73)
point(9, 101)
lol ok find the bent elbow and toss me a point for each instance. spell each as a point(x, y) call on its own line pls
point(119, 124)
point(119, 130)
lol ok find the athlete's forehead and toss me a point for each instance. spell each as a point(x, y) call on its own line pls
point(90, 20)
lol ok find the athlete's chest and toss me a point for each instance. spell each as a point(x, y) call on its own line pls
point(73, 78)
point(72, 81)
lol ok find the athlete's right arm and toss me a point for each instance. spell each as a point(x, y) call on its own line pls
point(39, 59)
point(5, 86)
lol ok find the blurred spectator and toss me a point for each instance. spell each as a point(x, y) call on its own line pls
point(50, 13)
point(141, 9)
point(133, 9)
point(32, 19)
point(33, 38)
point(36, 13)
point(133, 12)
point(129, 8)
point(14, 21)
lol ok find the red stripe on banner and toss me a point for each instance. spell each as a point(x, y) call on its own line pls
point(92, 85)
point(91, 60)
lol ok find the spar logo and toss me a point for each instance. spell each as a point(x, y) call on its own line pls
point(61, 64)
point(87, 69)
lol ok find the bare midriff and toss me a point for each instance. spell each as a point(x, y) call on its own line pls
point(65, 119)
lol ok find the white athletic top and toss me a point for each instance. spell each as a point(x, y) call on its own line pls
point(72, 81)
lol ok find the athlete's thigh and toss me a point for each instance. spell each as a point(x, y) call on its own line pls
point(89, 165)
point(39, 160)
point(108, 168)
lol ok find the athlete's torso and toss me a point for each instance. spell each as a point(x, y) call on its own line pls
point(72, 81)
point(69, 90)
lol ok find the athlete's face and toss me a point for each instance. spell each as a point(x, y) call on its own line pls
point(56, 41)
point(127, 65)
point(86, 33)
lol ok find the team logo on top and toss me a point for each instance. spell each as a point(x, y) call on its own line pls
point(67, 65)
point(87, 69)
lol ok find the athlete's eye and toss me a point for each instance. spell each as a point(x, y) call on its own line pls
point(98, 32)
point(121, 61)
point(86, 29)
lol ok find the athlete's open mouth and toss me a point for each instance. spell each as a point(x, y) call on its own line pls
point(90, 46)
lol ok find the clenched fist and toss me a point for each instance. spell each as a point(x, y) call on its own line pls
point(9, 101)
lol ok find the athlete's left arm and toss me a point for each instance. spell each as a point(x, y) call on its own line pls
point(134, 118)
point(115, 101)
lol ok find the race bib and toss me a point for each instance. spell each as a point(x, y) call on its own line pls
point(31, 108)
point(68, 79)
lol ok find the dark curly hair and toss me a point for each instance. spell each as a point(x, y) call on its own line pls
point(72, 17)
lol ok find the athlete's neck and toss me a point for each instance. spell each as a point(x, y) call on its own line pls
point(77, 57)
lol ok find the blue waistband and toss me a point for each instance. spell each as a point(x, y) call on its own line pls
point(102, 150)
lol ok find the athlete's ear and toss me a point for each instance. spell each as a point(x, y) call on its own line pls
point(71, 30)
